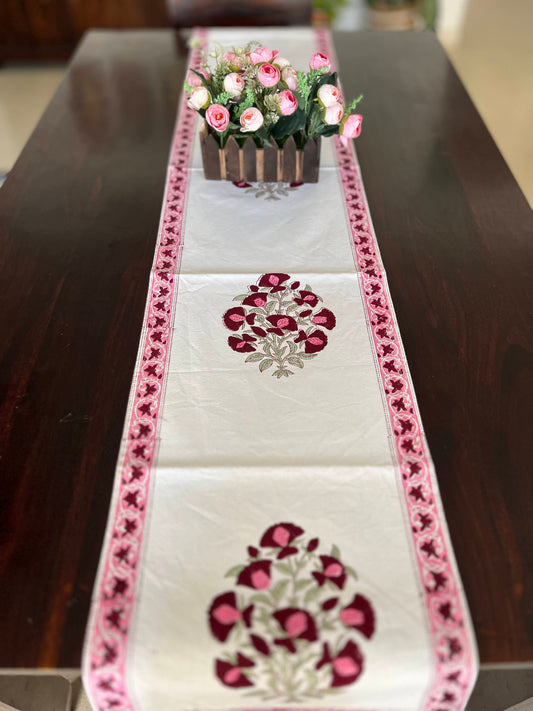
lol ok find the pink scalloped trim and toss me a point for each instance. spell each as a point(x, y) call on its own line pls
point(454, 651)
point(106, 644)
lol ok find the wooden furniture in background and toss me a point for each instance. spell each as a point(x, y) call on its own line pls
point(51, 29)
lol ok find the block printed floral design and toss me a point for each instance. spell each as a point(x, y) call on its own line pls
point(295, 627)
point(279, 324)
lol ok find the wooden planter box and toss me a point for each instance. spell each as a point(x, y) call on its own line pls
point(249, 164)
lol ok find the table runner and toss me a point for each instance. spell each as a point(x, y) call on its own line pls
point(276, 537)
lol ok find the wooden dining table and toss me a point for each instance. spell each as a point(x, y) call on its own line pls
point(78, 221)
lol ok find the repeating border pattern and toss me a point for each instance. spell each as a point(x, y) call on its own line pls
point(105, 673)
point(455, 658)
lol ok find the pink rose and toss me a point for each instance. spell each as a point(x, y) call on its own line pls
point(328, 95)
point(287, 102)
point(332, 115)
point(217, 117)
point(268, 75)
point(233, 59)
point(319, 61)
point(234, 84)
point(251, 119)
point(281, 62)
point(350, 127)
point(195, 80)
point(262, 54)
point(290, 77)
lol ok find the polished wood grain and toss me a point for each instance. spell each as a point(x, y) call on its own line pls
point(78, 222)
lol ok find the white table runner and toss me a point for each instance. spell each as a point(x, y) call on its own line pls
point(276, 538)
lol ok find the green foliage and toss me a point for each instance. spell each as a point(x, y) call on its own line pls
point(351, 107)
point(222, 98)
point(246, 103)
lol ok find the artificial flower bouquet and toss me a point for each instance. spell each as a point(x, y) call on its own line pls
point(252, 92)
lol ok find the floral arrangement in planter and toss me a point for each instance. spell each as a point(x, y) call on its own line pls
point(294, 624)
point(253, 93)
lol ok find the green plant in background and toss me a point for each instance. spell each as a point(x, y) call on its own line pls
point(426, 8)
point(329, 8)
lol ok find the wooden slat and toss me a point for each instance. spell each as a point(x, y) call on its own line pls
point(311, 161)
point(270, 164)
point(210, 157)
point(231, 152)
point(249, 152)
point(288, 173)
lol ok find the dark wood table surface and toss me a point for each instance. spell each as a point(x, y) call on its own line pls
point(78, 223)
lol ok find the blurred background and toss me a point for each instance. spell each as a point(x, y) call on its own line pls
point(488, 41)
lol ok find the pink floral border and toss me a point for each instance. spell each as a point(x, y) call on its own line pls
point(449, 623)
point(106, 642)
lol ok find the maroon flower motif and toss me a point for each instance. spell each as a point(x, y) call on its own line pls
point(346, 666)
point(234, 318)
point(325, 318)
point(242, 184)
point(316, 341)
point(241, 345)
point(297, 624)
point(307, 298)
point(286, 323)
point(273, 280)
point(280, 535)
point(253, 552)
point(301, 337)
point(332, 569)
point(330, 603)
point(312, 545)
point(305, 313)
point(224, 615)
point(260, 644)
point(259, 299)
point(232, 674)
point(295, 284)
point(259, 331)
point(359, 615)
point(256, 575)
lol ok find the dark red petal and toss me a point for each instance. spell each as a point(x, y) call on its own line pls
point(253, 552)
point(250, 319)
point(305, 313)
point(312, 545)
point(247, 615)
point(295, 284)
point(287, 643)
point(368, 624)
point(260, 644)
point(243, 661)
point(259, 331)
point(330, 604)
point(326, 657)
point(286, 552)
point(293, 531)
point(320, 578)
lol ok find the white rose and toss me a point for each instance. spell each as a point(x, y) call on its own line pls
point(332, 115)
point(328, 95)
point(281, 62)
point(199, 98)
point(234, 84)
point(251, 119)
point(290, 77)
